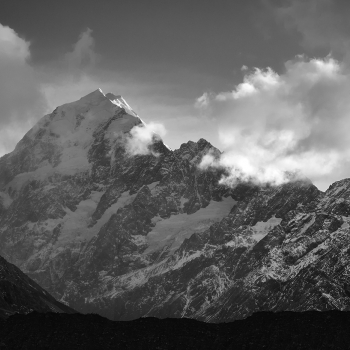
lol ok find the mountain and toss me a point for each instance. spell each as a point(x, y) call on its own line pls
point(121, 225)
point(20, 294)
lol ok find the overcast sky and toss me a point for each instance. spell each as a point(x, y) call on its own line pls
point(267, 81)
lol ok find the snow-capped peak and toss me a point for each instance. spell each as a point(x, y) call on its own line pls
point(98, 96)
point(94, 97)
point(120, 102)
point(71, 129)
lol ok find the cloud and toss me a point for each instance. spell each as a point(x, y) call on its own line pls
point(142, 136)
point(83, 54)
point(203, 101)
point(27, 92)
point(21, 99)
point(34, 90)
point(69, 79)
point(272, 125)
point(73, 74)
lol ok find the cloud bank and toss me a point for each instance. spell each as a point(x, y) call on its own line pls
point(269, 125)
point(272, 125)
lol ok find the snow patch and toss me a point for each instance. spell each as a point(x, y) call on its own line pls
point(5, 199)
point(153, 185)
point(173, 231)
point(124, 199)
point(183, 200)
point(346, 224)
point(75, 224)
point(307, 225)
point(22, 179)
point(261, 228)
point(119, 101)
point(139, 240)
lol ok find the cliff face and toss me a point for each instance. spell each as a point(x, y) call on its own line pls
point(129, 234)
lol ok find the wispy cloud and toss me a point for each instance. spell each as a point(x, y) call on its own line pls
point(83, 54)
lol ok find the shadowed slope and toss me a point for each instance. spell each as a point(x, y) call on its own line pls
point(20, 294)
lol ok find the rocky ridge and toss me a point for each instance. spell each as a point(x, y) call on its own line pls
point(130, 235)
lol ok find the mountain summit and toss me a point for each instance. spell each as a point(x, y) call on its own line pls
point(74, 202)
point(130, 234)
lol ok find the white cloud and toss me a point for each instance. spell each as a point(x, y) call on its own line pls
point(203, 101)
point(273, 124)
point(142, 136)
point(20, 97)
point(27, 93)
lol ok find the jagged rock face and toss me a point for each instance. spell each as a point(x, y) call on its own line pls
point(130, 235)
point(20, 294)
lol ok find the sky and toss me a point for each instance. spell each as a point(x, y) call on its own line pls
point(265, 81)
